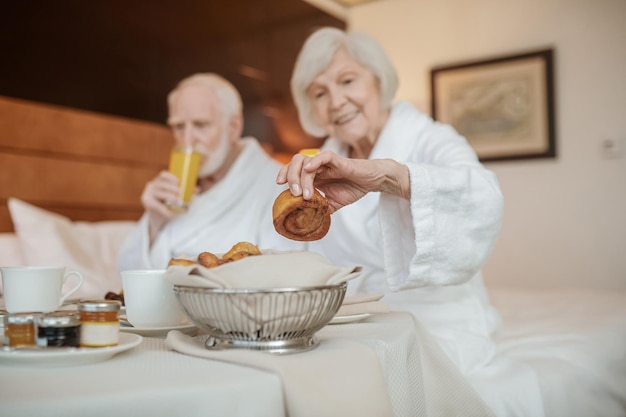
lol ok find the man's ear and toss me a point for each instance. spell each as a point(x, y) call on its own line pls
point(235, 127)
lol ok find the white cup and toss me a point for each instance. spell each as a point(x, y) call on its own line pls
point(36, 288)
point(150, 300)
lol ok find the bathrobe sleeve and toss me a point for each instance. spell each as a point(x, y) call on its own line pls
point(445, 233)
point(134, 253)
point(237, 208)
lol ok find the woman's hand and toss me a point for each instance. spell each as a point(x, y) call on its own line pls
point(343, 180)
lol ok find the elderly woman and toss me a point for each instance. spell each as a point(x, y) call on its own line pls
point(411, 203)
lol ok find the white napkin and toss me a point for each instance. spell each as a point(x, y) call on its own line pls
point(338, 378)
point(362, 304)
point(273, 269)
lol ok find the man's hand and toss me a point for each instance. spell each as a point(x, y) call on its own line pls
point(164, 187)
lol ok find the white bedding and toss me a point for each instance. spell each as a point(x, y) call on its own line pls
point(560, 352)
point(570, 344)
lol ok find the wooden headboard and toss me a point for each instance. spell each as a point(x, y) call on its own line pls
point(83, 165)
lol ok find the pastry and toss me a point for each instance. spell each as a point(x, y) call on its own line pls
point(181, 262)
point(300, 219)
point(241, 250)
point(209, 260)
point(115, 296)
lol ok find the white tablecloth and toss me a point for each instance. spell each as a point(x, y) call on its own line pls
point(150, 380)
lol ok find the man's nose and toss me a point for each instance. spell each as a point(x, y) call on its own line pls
point(188, 136)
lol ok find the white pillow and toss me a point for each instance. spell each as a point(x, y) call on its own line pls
point(91, 248)
point(10, 252)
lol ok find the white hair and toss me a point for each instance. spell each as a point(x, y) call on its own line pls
point(229, 99)
point(316, 54)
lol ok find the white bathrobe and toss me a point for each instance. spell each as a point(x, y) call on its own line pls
point(238, 208)
point(425, 254)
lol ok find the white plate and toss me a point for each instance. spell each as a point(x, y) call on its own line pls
point(349, 319)
point(189, 329)
point(68, 356)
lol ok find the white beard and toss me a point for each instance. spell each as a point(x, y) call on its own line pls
point(216, 158)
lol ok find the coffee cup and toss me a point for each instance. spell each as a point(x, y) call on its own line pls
point(150, 300)
point(36, 288)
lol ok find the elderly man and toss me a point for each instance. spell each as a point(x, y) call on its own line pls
point(235, 190)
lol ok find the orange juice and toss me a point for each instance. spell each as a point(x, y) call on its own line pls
point(184, 163)
point(309, 151)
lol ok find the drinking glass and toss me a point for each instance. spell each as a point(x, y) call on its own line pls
point(184, 163)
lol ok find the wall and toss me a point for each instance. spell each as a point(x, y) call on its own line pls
point(565, 218)
point(122, 57)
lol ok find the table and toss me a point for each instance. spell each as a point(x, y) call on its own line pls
point(151, 380)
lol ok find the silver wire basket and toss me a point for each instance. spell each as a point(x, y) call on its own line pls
point(281, 320)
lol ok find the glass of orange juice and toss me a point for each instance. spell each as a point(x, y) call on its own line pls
point(184, 163)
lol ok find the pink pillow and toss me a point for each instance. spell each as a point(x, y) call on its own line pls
point(91, 248)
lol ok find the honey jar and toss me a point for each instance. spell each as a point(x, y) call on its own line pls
point(3, 322)
point(20, 329)
point(99, 323)
point(58, 329)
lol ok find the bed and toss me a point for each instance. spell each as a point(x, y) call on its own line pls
point(73, 195)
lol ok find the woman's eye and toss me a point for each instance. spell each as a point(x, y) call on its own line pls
point(347, 81)
point(319, 94)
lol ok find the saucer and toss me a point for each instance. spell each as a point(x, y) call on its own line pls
point(66, 356)
point(352, 318)
point(189, 329)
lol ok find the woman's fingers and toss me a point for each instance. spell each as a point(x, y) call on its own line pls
point(302, 170)
point(290, 174)
point(281, 178)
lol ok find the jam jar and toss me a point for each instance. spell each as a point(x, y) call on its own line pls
point(20, 329)
point(58, 329)
point(3, 322)
point(99, 323)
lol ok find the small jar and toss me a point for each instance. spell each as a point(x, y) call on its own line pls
point(99, 323)
point(58, 329)
point(3, 322)
point(20, 329)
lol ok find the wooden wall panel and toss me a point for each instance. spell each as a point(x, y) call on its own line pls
point(5, 218)
point(72, 182)
point(38, 128)
point(79, 164)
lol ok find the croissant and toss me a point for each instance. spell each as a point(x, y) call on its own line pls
point(300, 219)
point(240, 251)
point(181, 262)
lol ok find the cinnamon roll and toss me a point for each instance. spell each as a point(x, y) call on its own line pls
point(300, 219)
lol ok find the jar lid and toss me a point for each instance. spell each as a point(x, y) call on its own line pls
point(4, 315)
point(59, 319)
point(22, 318)
point(99, 305)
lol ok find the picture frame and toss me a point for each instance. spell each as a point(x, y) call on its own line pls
point(503, 106)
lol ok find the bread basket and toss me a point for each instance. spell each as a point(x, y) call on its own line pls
point(278, 320)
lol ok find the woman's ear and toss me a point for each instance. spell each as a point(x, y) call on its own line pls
point(235, 127)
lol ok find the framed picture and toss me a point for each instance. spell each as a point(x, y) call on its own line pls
point(503, 106)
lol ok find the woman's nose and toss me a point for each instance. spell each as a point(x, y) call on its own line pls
point(336, 98)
